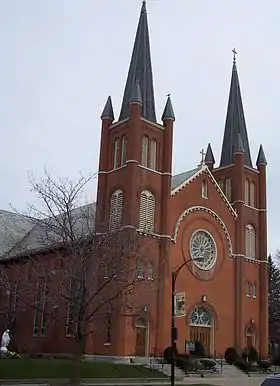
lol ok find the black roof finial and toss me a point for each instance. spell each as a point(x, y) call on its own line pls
point(234, 58)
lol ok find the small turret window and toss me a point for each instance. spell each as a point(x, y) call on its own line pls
point(228, 189)
point(144, 151)
point(153, 154)
point(124, 143)
point(247, 192)
point(252, 194)
point(117, 145)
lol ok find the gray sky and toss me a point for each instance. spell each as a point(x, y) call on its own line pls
point(60, 59)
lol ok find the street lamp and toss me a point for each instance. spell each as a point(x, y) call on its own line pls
point(174, 331)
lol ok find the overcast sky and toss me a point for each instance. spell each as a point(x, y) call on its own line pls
point(60, 59)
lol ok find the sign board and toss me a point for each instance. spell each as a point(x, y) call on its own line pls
point(189, 345)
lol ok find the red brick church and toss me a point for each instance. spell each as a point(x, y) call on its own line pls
point(213, 217)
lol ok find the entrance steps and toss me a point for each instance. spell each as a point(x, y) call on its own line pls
point(166, 369)
point(229, 371)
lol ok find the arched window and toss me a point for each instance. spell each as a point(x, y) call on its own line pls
point(254, 290)
point(124, 142)
point(144, 151)
point(250, 241)
point(117, 145)
point(108, 329)
point(153, 154)
point(116, 210)
point(247, 193)
point(228, 189)
point(248, 289)
point(252, 194)
point(140, 273)
point(204, 189)
point(201, 317)
point(147, 211)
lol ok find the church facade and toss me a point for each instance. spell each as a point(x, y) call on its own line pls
point(210, 220)
point(213, 217)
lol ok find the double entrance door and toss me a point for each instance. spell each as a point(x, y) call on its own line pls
point(203, 335)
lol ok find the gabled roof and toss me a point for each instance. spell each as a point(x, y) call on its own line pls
point(179, 179)
point(38, 235)
point(190, 176)
point(140, 70)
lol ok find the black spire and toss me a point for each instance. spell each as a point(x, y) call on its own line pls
point(136, 96)
point(235, 123)
point(168, 112)
point(261, 159)
point(209, 156)
point(140, 70)
point(108, 110)
point(238, 146)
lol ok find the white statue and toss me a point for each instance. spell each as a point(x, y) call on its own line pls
point(5, 341)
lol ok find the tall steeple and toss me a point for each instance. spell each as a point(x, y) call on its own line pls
point(235, 123)
point(140, 70)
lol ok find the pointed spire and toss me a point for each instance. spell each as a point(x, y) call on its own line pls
point(108, 110)
point(140, 69)
point(238, 146)
point(209, 156)
point(168, 112)
point(235, 123)
point(261, 159)
point(136, 96)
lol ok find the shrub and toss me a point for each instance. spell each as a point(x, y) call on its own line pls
point(167, 354)
point(250, 354)
point(199, 350)
point(231, 355)
point(208, 364)
point(243, 365)
point(188, 363)
point(264, 365)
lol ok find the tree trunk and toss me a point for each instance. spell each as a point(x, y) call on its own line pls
point(76, 370)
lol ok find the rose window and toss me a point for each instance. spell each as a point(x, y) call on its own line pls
point(203, 250)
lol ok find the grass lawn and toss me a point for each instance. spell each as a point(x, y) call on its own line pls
point(56, 368)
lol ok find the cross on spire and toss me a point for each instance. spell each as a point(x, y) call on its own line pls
point(202, 156)
point(234, 55)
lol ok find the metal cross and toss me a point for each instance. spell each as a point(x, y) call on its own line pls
point(234, 54)
point(202, 155)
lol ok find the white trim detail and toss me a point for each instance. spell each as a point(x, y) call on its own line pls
point(213, 214)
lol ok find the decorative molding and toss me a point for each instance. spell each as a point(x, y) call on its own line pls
point(116, 124)
point(153, 124)
point(133, 161)
point(213, 214)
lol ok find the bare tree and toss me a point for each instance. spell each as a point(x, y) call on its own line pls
point(67, 273)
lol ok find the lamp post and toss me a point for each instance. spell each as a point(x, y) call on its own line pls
point(174, 331)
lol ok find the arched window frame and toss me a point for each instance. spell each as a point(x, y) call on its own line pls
point(200, 311)
point(204, 189)
point(153, 154)
point(116, 161)
point(147, 208)
point(248, 289)
point(140, 269)
point(144, 151)
point(254, 290)
point(150, 271)
point(108, 330)
point(247, 192)
point(124, 146)
point(228, 190)
point(252, 194)
point(116, 210)
point(250, 241)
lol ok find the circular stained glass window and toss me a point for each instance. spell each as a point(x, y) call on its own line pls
point(203, 250)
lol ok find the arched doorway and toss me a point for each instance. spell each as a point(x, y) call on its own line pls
point(141, 346)
point(250, 336)
point(201, 328)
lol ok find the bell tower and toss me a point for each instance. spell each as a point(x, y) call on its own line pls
point(136, 151)
point(245, 188)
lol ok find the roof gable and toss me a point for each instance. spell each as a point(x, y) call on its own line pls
point(193, 175)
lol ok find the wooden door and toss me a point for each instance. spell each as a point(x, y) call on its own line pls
point(203, 335)
point(141, 336)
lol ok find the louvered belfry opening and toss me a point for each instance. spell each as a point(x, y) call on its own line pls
point(116, 210)
point(147, 211)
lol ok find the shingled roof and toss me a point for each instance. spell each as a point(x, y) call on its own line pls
point(21, 235)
